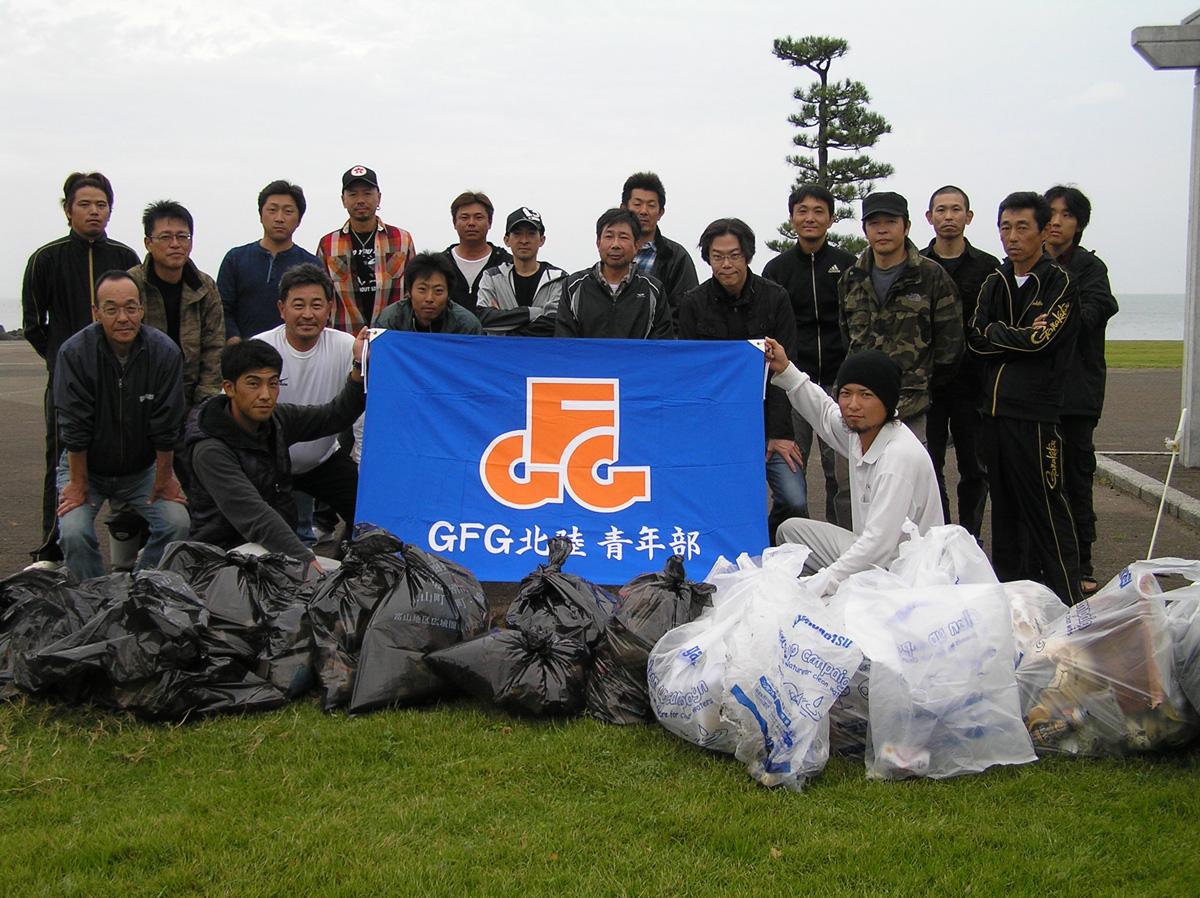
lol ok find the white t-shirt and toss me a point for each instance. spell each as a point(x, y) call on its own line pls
point(470, 268)
point(314, 377)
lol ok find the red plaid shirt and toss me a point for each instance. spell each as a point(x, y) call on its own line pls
point(393, 251)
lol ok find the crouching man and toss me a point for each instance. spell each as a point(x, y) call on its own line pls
point(118, 392)
point(891, 474)
point(237, 450)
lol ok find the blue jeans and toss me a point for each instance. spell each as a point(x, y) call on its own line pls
point(789, 493)
point(168, 521)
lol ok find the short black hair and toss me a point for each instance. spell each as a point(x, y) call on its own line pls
point(156, 212)
point(723, 226)
point(644, 180)
point(1077, 204)
point(471, 198)
point(249, 355)
point(1027, 199)
point(950, 188)
point(77, 179)
point(115, 274)
point(803, 191)
point(619, 216)
point(425, 264)
point(279, 188)
point(302, 276)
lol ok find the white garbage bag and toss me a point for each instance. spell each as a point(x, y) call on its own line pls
point(947, 554)
point(943, 693)
point(686, 670)
point(788, 660)
point(1101, 681)
point(1034, 607)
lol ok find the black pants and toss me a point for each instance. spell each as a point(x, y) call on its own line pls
point(958, 414)
point(1079, 469)
point(334, 482)
point(49, 550)
point(1033, 533)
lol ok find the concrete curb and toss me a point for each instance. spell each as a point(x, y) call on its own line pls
point(1135, 483)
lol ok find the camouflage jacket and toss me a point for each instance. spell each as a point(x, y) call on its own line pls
point(919, 323)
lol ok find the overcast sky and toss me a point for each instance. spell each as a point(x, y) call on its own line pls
point(552, 105)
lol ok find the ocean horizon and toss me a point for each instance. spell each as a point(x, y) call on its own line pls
point(1143, 316)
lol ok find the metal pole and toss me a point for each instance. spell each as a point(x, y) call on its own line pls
point(1190, 394)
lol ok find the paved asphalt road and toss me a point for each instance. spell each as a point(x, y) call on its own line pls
point(1141, 409)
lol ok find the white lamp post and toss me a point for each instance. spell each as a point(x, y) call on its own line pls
point(1178, 47)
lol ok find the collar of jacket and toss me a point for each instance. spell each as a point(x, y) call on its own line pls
point(379, 225)
point(217, 422)
point(1039, 267)
point(191, 274)
point(662, 246)
point(105, 349)
point(96, 241)
point(912, 260)
point(968, 250)
point(625, 281)
point(822, 251)
point(720, 294)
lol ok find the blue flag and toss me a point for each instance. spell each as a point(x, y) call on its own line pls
point(481, 448)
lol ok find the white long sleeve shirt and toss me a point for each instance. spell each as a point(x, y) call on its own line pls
point(891, 481)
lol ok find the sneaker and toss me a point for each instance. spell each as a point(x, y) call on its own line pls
point(44, 566)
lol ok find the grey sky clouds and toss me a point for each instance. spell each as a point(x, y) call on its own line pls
point(552, 105)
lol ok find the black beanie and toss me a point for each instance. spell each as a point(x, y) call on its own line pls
point(875, 370)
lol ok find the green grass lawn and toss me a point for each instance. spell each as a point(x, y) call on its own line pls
point(1144, 353)
point(461, 800)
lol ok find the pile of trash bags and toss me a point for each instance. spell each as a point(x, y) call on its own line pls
point(931, 668)
point(570, 647)
point(216, 631)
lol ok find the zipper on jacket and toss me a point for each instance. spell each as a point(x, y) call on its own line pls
point(817, 317)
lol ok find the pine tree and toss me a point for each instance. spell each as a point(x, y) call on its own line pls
point(833, 116)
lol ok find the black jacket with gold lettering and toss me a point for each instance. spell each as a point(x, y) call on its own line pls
point(1025, 366)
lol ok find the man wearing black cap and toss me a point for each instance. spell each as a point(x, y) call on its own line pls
point(520, 298)
point(897, 301)
point(891, 474)
point(365, 258)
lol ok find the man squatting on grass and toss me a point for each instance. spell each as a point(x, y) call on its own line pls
point(237, 450)
point(891, 474)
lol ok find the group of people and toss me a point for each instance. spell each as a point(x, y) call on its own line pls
point(167, 390)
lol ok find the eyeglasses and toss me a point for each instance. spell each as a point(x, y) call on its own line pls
point(131, 310)
point(181, 239)
point(718, 259)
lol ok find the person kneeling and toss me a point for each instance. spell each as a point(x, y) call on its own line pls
point(891, 475)
point(237, 450)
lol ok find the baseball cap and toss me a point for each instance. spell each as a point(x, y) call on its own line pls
point(359, 173)
point(524, 215)
point(889, 203)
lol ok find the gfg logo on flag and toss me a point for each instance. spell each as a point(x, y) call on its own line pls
point(570, 444)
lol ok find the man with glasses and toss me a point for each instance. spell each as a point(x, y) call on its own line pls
point(56, 301)
point(181, 300)
point(118, 391)
point(736, 304)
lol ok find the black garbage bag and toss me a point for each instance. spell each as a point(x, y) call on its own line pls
point(535, 671)
point(196, 562)
point(38, 608)
point(150, 623)
point(341, 605)
point(258, 612)
point(217, 685)
point(647, 607)
point(616, 695)
point(435, 604)
point(561, 602)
